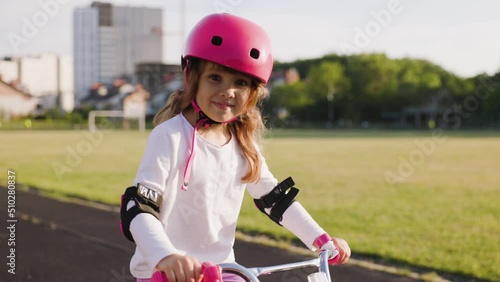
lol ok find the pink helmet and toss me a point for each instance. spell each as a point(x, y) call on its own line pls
point(233, 42)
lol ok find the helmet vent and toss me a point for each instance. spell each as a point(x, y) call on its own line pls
point(217, 40)
point(254, 53)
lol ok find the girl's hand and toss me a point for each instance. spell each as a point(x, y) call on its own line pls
point(180, 268)
point(344, 250)
point(325, 242)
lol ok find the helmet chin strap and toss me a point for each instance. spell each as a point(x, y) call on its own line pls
point(203, 117)
point(204, 121)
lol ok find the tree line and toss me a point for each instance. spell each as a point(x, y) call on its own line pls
point(374, 90)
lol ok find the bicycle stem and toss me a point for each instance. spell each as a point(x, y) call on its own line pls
point(323, 263)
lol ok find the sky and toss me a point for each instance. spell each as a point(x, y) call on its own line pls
point(461, 36)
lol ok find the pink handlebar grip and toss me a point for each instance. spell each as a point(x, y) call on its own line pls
point(320, 241)
point(159, 276)
point(211, 273)
point(334, 260)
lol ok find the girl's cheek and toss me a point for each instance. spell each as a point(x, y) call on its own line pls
point(244, 95)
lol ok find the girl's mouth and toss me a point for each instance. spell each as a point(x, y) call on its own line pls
point(223, 106)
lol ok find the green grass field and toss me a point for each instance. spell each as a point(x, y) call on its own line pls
point(403, 197)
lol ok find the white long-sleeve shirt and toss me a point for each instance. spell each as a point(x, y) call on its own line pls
point(200, 222)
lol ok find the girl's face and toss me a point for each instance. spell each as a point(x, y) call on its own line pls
point(222, 94)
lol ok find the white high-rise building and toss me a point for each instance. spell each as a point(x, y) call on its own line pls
point(109, 41)
point(85, 50)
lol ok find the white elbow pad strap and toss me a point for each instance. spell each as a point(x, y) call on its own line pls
point(279, 199)
point(146, 201)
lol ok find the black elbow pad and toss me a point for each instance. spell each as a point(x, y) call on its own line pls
point(146, 201)
point(279, 199)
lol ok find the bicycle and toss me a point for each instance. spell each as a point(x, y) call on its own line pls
point(212, 272)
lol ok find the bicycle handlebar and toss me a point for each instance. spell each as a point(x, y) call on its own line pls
point(252, 274)
point(213, 272)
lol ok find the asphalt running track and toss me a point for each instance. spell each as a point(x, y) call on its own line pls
point(66, 242)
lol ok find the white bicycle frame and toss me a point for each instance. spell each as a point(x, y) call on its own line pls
point(252, 274)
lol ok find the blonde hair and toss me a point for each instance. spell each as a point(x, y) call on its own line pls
point(248, 128)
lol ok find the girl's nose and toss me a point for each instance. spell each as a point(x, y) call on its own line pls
point(228, 92)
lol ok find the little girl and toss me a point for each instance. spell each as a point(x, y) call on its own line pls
point(202, 155)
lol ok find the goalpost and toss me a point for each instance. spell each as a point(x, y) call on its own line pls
point(139, 115)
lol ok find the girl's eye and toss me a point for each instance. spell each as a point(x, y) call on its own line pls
point(214, 77)
point(241, 82)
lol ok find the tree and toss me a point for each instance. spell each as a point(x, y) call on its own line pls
point(324, 82)
point(290, 98)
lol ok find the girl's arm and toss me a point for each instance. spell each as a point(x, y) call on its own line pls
point(146, 229)
point(297, 220)
point(151, 239)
